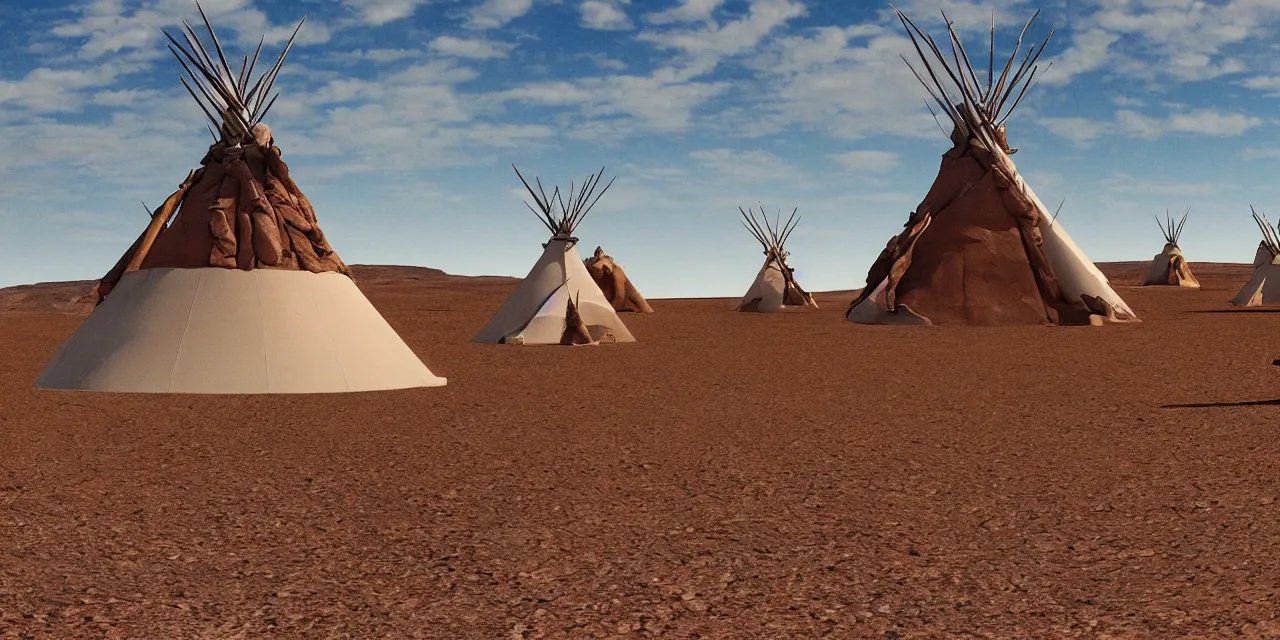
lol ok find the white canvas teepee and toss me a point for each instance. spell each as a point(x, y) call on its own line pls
point(1264, 286)
point(775, 287)
point(241, 293)
point(981, 248)
point(1170, 267)
point(558, 286)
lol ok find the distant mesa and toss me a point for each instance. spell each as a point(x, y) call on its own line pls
point(77, 296)
point(70, 297)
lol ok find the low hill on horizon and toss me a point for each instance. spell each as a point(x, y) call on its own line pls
point(73, 296)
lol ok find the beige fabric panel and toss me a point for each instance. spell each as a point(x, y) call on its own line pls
point(547, 324)
point(214, 330)
point(1158, 270)
point(1075, 272)
point(768, 287)
point(518, 309)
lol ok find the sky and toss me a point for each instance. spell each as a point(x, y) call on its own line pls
point(400, 120)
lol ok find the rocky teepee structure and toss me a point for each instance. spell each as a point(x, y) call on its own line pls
point(1169, 267)
point(614, 283)
point(558, 302)
point(1264, 287)
point(981, 248)
point(233, 287)
point(775, 287)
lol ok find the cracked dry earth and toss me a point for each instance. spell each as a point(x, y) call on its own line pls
point(729, 476)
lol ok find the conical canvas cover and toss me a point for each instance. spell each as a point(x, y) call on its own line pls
point(775, 288)
point(241, 293)
point(1264, 286)
point(772, 291)
point(538, 311)
point(614, 283)
point(215, 330)
point(534, 314)
point(1169, 267)
point(981, 248)
point(1261, 289)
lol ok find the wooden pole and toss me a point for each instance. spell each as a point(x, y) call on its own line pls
point(158, 221)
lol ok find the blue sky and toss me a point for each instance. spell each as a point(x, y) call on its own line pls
point(400, 119)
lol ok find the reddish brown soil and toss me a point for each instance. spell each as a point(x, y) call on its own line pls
point(728, 476)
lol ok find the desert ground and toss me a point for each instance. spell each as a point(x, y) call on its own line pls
point(728, 476)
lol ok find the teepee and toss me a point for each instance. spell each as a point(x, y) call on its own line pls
point(1264, 286)
point(775, 287)
point(981, 248)
point(1169, 267)
point(558, 302)
point(241, 292)
point(614, 283)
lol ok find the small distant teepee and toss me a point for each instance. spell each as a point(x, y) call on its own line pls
point(1264, 286)
point(981, 248)
point(614, 283)
point(233, 287)
point(1169, 267)
point(775, 287)
point(558, 302)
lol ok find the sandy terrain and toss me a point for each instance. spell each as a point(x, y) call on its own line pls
point(728, 476)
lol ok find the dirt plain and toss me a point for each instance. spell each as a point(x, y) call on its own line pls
point(728, 476)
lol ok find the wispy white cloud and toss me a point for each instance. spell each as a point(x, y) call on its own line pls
point(604, 61)
point(1268, 83)
point(109, 26)
point(412, 118)
point(1206, 122)
point(686, 11)
point(748, 166)
point(604, 15)
point(380, 12)
point(845, 81)
point(165, 125)
point(491, 14)
point(660, 102)
point(378, 55)
point(706, 45)
point(470, 47)
point(967, 16)
point(1132, 124)
point(868, 161)
point(1081, 131)
point(1184, 41)
point(1089, 50)
point(1124, 184)
point(46, 90)
point(1253, 153)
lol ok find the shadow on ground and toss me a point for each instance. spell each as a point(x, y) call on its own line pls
point(1218, 405)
